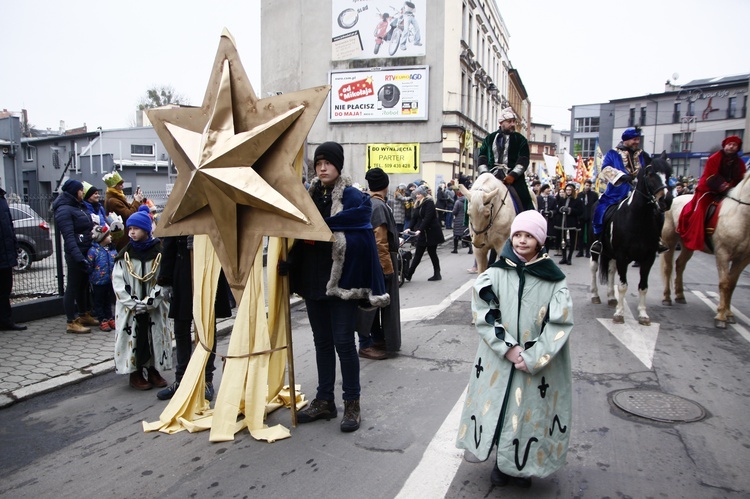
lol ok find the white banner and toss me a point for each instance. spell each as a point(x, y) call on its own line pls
point(393, 94)
point(368, 29)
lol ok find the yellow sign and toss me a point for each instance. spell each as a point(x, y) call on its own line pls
point(469, 140)
point(393, 158)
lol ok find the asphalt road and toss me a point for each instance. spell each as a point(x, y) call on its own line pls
point(86, 440)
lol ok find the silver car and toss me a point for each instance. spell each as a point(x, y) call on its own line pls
point(32, 233)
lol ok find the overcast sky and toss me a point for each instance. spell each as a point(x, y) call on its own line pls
point(86, 61)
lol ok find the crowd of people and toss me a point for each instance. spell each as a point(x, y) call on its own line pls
point(350, 289)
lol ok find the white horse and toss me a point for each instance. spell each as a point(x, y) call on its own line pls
point(731, 248)
point(491, 213)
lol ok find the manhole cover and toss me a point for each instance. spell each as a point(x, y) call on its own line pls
point(658, 406)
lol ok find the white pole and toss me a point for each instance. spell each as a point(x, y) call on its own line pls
point(101, 151)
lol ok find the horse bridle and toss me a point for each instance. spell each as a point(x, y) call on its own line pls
point(651, 196)
point(492, 216)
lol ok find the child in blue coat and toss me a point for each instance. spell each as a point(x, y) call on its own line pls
point(102, 261)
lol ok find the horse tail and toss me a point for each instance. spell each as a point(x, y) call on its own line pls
point(604, 268)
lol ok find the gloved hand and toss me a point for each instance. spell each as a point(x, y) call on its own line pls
point(565, 210)
point(166, 293)
point(509, 179)
point(626, 178)
point(283, 267)
point(140, 308)
point(85, 266)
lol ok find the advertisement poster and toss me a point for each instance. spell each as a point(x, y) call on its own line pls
point(393, 158)
point(393, 94)
point(368, 29)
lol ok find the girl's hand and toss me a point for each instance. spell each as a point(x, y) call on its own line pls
point(514, 354)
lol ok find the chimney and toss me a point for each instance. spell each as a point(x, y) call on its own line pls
point(62, 127)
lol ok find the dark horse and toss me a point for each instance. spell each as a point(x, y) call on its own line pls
point(631, 234)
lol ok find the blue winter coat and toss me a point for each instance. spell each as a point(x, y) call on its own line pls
point(7, 235)
point(97, 210)
point(102, 262)
point(73, 221)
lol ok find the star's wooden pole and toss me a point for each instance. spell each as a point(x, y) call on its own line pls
point(288, 328)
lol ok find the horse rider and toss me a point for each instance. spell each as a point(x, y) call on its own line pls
point(724, 170)
point(619, 169)
point(505, 154)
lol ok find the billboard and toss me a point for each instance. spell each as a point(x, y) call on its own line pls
point(379, 94)
point(375, 28)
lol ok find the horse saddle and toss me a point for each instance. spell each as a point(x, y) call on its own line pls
point(500, 172)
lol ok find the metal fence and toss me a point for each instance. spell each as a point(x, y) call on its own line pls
point(46, 277)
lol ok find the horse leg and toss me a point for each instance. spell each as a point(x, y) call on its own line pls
point(727, 284)
point(481, 256)
point(679, 269)
point(645, 269)
point(622, 290)
point(611, 299)
point(594, 288)
point(667, 259)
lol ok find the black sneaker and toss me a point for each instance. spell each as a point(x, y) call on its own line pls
point(318, 409)
point(209, 394)
point(498, 478)
point(168, 392)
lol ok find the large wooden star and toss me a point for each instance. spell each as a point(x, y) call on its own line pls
point(235, 160)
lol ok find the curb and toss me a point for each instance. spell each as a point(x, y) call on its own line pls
point(223, 328)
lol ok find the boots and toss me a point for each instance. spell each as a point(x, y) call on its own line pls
point(318, 409)
point(75, 327)
point(87, 320)
point(351, 419)
point(436, 276)
point(455, 244)
point(137, 380)
point(155, 378)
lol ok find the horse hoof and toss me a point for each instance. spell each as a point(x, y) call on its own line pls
point(680, 300)
point(644, 321)
point(720, 324)
point(618, 319)
point(666, 303)
point(612, 302)
point(596, 301)
point(731, 320)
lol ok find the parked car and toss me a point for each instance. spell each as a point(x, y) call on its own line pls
point(32, 233)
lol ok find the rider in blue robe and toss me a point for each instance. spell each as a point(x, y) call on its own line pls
point(619, 168)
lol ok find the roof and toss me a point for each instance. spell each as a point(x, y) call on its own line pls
point(718, 80)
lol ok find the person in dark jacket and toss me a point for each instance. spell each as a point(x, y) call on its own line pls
point(334, 278)
point(8, 260)
point(569, 208)
point(547, 205)
point(92, 201)
point(176, 280)
point(426, 226)
point(460, 224)
point(73, 221)
point(586, 237)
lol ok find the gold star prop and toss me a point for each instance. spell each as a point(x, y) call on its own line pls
point(234, 155)
point(236, 182)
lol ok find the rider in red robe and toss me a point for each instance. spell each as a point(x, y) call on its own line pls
point(724, 170)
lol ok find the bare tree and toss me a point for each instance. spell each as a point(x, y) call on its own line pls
point(162, 95)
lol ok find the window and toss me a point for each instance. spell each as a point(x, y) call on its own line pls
point(584, 147)
point(744, 108)
point(739, 133)
point(680, 166)
point(28, 153)
point(676, 112)
point(141, 150)
point(631, 117)
point(691, 108)
point(18, 214)
point(587, 125)
point(56, 157)
point(642, 120)
point(681, 142)
point(732, 107)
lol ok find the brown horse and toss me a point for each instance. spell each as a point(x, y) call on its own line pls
point(491, 213)
point(731, 248)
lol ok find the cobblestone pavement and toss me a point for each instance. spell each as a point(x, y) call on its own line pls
point(45, 357)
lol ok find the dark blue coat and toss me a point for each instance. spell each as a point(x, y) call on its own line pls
point(7, 236)
point(73, 221)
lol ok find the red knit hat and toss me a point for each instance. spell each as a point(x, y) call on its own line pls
point(730, 139)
